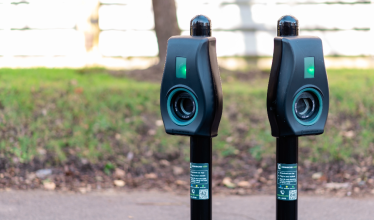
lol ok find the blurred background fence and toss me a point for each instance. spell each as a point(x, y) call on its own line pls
point(77, 33)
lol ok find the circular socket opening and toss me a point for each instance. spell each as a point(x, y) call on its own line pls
point(307, 106)
point(182, 106)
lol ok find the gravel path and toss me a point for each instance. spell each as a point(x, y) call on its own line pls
point(43, 205)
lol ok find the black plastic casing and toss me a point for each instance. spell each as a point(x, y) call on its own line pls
point(203, 79)
point(287, 79)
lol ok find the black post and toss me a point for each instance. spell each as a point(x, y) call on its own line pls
point(201, 152)
point(287, 153)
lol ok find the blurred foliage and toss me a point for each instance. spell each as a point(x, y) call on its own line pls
point(60, 113)
point(108, 168)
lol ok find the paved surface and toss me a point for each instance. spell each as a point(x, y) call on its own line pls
point(111, 205)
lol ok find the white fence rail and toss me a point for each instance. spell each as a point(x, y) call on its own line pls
point(242, 27)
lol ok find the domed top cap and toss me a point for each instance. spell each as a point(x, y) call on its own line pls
point(200, 26)
point(288, 26)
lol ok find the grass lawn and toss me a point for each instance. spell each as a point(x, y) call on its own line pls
point(54, 114)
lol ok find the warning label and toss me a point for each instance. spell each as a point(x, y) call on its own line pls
point(199, 177)
point(287, 181)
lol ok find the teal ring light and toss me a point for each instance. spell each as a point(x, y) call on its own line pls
point(315, 119)
point(173, 118)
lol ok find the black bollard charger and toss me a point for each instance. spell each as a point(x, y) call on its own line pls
point(297, 105)
point(191, 105)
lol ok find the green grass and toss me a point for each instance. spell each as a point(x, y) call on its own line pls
point(59, 113)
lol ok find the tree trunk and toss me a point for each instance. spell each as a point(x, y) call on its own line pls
point(89, 24)
point(166, 25)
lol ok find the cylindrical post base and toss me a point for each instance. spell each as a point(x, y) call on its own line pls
point(287, 153)
point(201, 152)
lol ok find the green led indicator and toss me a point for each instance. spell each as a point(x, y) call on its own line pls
point(308, 67)
point(181, 67)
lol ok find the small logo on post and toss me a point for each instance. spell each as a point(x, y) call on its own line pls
point(279, 166)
